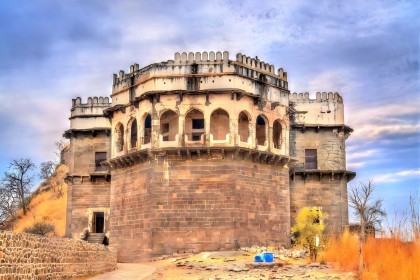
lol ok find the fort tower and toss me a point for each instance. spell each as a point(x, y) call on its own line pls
point(199, 152)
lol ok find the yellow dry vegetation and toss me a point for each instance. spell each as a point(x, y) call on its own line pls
point(384, 258)
point(46, 205)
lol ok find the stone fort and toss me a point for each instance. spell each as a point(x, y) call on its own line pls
point(203, 153)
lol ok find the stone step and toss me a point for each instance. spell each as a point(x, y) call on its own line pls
point(96, 238)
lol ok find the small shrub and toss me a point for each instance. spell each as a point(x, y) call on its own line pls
point(40, 228)
point(308, 229)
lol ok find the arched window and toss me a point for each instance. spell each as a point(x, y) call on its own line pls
point(261, 130)
point(147, 129)
point(243, 127)
point(119, 137)
point(277, 131)
point(133, 134)
point(219, 124)
point(194, 125)
point(169, 125)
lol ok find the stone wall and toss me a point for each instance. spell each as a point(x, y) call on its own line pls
point(330, 146)
point(28, 256)
point(169, 205)
point(81, 153)
point(328, 192)
point(84, 194)
point(87, 187)
point(325, 186)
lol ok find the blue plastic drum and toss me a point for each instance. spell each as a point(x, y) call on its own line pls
point(268, 257)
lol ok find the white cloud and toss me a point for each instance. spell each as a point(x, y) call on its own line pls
point(355, 165)
point(362, 154)
point(397, 176)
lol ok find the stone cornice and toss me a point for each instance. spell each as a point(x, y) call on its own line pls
point(349, 175)
point(93, 131)
point(183, 153)
point(303, 127)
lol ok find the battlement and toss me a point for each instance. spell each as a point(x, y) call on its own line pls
point(91, 102)
point(219, 62)
point(199, 58)
point(320, 97)
point(256, 64)
point(93, 107)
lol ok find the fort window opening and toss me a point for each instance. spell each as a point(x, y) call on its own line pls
point(243, 127)
point(219, 124)
point(147, 129)
point(98, 222)
point(169, 125)
point(277, 131)
point(119, 132)
point(194, 125)
point(133, 134)
point(99, 157)
point(311, 159)
point(261, 130)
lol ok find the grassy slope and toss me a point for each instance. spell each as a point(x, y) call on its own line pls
point(46, 206)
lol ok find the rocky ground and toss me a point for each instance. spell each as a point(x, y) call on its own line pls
point(288, 264)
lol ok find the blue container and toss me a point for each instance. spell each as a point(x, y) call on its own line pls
point(259, 258)
point(268, 257)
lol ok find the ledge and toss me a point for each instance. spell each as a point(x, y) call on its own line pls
point(303, 127)
point(73, 132)
point(184, 153)
point(105, 175)
point(349, 175)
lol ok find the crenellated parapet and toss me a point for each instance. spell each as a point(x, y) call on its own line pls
point(201, 72)
point(92, 104)
point(261, 66)
point(200, 58)
point(325, 109)
point(89, 116)
point(320, 97)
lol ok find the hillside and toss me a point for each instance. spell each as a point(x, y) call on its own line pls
point(48, 204)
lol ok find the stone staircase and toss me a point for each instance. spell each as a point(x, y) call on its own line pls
point(96, 238)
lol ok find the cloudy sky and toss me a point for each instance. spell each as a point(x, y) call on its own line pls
point(53, 51)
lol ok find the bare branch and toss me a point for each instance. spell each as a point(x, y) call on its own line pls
point(18, 180)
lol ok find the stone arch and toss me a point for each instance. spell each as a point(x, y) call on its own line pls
point(261, 130)
point(219, 124)
point(147, 128)
point(194, 125)
point(244, 122)
point(168, 125)
point(119, 137)
point(277, 134)
point(133, 135)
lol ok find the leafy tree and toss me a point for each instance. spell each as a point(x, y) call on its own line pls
point(308, 228)
point(369, 212)
point(18, 181)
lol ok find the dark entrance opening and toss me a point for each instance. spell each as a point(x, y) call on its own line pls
point(98, 222)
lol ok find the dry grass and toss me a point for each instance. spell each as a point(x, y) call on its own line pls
point(384, 258)
point(46, 206)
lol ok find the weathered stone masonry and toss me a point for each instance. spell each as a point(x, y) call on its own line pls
point(28, 256)
point(202, 205)
point(204, 153)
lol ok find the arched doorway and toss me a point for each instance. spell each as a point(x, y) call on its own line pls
point(169, 125)
point(219, 124)
point(261, 130)
point(194, 125)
